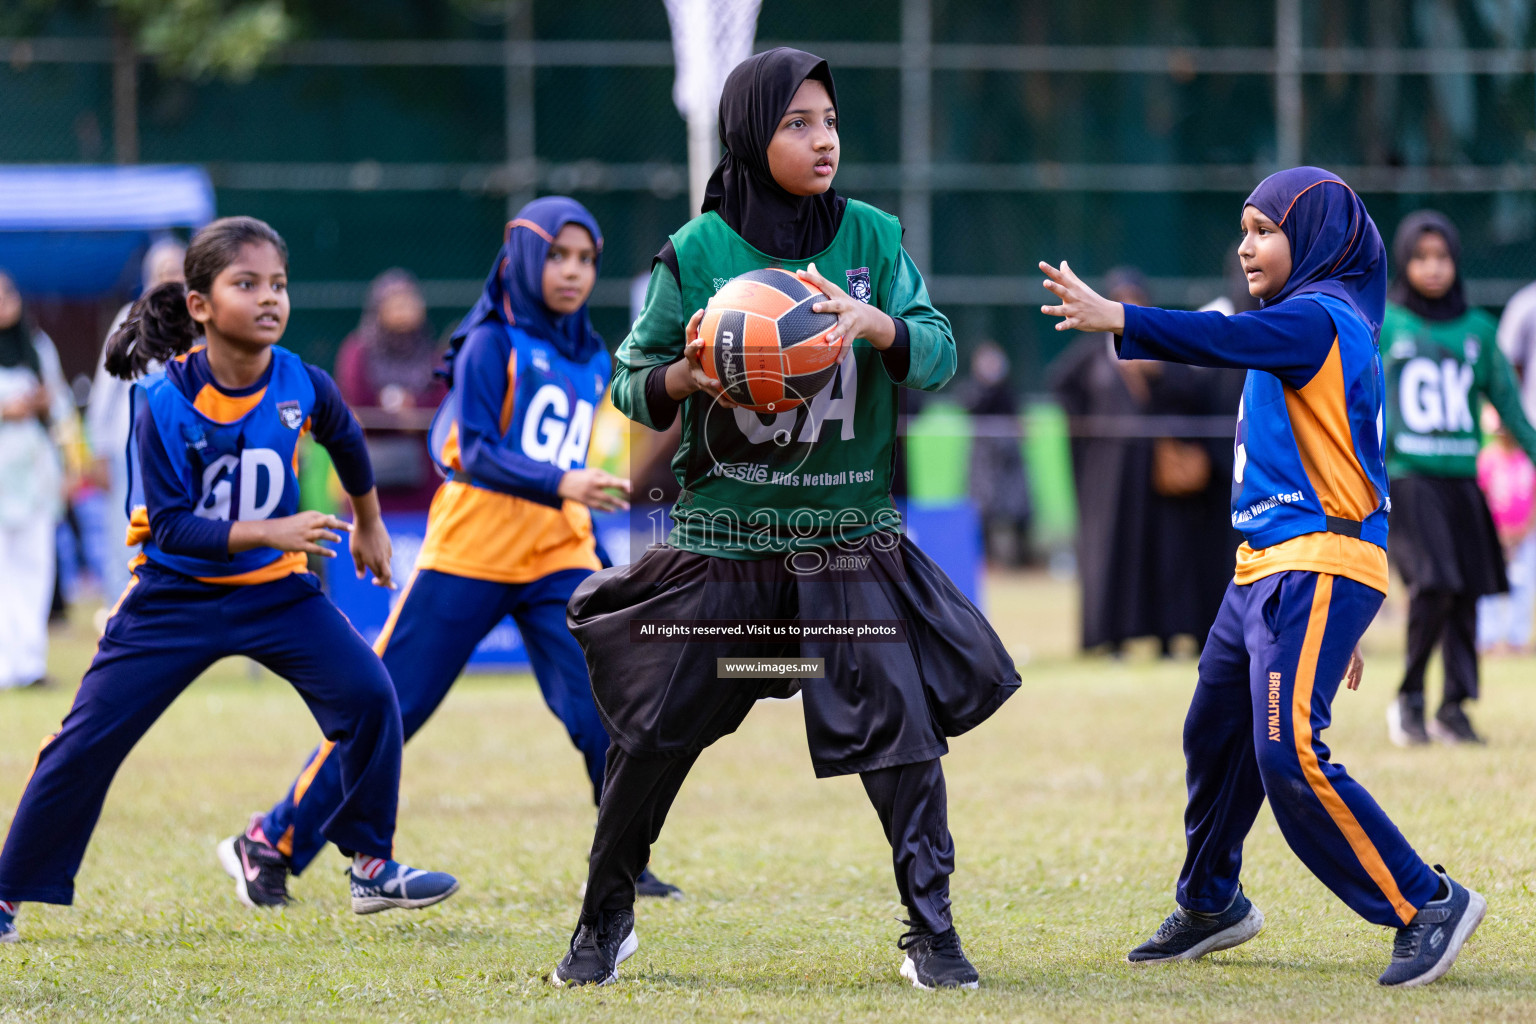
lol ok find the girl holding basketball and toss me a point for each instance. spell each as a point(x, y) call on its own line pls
point(769, 502)
point(215, 504)
point(509, 532)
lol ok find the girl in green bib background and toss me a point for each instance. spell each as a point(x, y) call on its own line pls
point(1441, 360)
point(761, 534)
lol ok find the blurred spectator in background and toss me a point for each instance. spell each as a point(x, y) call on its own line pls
point(385, 370)
point(1517, 340)
point(998, 485)
point(107, 425)
point(1508, 480)
point(1154, 545)
point(33, 395)
point(1441, 360)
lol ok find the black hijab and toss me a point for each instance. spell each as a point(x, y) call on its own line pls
point(742, 191)
point(16, 345)
point(1448, 306)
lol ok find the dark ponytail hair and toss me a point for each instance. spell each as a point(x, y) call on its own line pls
point(158, 326)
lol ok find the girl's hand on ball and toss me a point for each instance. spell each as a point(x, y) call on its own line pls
point(687, 375)
point(855, 319)
point(595, 489)
point(1081, 308)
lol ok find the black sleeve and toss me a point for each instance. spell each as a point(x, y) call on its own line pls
point(338, 432)
point(898, 358)
point(661, 406)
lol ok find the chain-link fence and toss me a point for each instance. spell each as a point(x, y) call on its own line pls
point(1108, 134)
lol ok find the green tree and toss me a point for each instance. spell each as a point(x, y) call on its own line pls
point(199, 38)
point(189, 38)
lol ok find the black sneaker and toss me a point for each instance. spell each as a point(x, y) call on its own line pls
point(1187, 935)
point(596, 953)
point(1427, 946)
point(935, 961)
point(1451, 725)
point(259, 871)
point(1405, 721)
point(649, 885)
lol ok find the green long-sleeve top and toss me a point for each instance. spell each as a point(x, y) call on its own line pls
point(827, 464)
point(1437, 375)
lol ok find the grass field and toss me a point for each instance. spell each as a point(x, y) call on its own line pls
point(1065, 808)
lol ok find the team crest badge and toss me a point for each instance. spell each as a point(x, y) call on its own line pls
point(290, 414)
point(859, 286)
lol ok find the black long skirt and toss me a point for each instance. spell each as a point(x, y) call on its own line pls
point(888, 702)
point(1441, 537)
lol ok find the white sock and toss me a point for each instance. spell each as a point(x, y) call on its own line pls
point(364, 866)
point(9, 908)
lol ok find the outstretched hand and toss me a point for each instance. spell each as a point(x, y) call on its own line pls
point(596, 489)
point(1081, 308)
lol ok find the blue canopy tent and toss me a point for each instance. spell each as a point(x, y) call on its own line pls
point(75, 231)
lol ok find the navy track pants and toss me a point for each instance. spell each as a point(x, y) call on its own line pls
point(430, 635)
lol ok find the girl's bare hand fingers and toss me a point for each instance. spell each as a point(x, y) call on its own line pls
point(311, 548)
point(811, 274)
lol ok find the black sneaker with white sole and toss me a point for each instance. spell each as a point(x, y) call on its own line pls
point(935, 960)
point(597, 950)
point(649, 885)
point(1451, 725)
point(260, 872)
point(1426, 947)
point(1187, 935)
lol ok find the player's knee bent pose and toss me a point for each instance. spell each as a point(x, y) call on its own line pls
point(510, 532)
point(223, 570)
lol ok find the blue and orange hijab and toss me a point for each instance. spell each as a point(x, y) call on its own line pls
point(1335, 247)
point(514, 291)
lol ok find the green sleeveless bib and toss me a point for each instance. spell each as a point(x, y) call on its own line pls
point(757, 484)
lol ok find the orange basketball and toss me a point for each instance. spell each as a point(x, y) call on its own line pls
point(762, 343)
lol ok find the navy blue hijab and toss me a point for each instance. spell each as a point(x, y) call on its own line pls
point(1335, 247)
point(514, 291)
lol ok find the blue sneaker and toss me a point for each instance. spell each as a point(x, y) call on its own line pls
point(399, 886)
point(8, 932)
point(1187, 935)
point(1427, 946)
